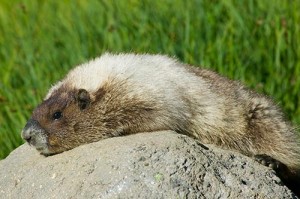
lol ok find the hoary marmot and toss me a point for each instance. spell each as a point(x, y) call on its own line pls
point(116, 95)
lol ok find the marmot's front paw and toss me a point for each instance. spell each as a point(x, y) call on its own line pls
point(269, 162)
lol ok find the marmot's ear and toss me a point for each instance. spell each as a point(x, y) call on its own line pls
point(83, 99)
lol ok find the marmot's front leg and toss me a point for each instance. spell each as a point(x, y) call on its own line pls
point(290, 178)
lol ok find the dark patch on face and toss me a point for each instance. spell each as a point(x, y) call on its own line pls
point(49, 110)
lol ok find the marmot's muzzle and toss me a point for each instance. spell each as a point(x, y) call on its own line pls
point(33, 133)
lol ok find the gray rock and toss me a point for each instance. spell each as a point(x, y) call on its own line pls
point(145, 165)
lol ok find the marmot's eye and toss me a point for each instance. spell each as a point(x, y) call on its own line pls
point(57, 115)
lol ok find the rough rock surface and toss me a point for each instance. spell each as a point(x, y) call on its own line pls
point(146, 165)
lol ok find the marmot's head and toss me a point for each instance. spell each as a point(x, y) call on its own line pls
point(61, 122)
point(70, 117)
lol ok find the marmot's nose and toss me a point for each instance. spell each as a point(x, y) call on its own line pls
point(26, 137)
point(30, 130)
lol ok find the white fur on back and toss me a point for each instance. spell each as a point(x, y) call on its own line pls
point(145, 70)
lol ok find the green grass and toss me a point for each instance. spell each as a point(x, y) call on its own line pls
point(256, 42)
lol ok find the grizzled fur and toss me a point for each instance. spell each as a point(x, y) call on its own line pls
point(117, 95)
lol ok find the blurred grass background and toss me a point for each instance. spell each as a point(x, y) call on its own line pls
point(256, 42)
